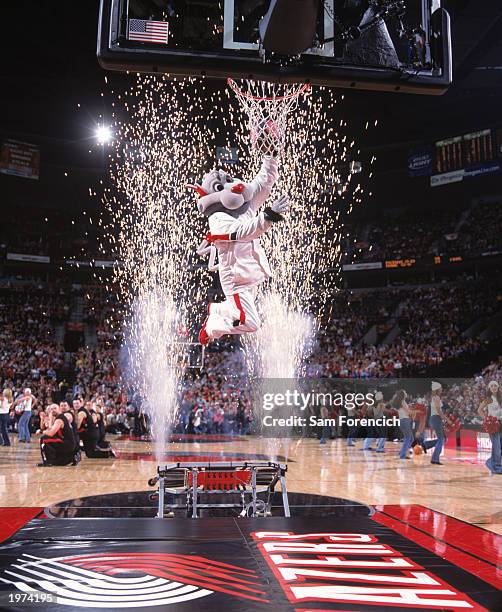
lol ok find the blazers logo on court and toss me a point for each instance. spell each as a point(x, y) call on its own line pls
point(335, 569)
point(131, 580)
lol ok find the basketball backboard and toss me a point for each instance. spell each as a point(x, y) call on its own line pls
point(389, 45)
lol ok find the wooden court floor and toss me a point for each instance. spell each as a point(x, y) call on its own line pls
point(462, 488)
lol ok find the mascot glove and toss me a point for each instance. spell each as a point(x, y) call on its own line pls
point(281, 205)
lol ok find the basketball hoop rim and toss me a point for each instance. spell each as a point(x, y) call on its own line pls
point(294, 94)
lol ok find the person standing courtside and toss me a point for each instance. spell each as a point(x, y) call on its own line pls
point(26, 403)
point(325, 431)
point(405, 421)
point(492, 406)
point(379, 432)
point(353, 429)
point(436, 421)
point(5, 404)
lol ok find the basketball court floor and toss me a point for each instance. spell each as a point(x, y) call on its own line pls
point(443, 522)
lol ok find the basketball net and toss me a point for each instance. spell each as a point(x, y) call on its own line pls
point(267, 106)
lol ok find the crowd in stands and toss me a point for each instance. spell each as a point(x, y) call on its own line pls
point(402, 238)
point(482, 228)
point(28, 351)
point(464, 398)
point(104, 310)
point(410, 235)
point(433, 320)
point(404, 233)
point(97, 374)
point(56, 233)
point(382, 333)
point(431, 324)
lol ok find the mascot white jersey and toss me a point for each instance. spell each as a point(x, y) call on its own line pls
point(236, 224)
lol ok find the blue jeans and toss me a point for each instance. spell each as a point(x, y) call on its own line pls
point(494, 463)
point(23, 426)
point(406, 427)
point(352, 433)
point(4, 429)
point(427, 443)
point(379, 446)
point(437, 425)
point(325, 433)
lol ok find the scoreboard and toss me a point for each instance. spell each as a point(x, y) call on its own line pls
point(411, 262)
point(464, 151)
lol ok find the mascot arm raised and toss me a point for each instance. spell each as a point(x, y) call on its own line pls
point(246, 230)
point(238, 231)
point(264, 181)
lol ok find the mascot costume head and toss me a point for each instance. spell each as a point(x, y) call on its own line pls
point(219, 192)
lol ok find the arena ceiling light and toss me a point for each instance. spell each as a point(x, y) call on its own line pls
point(103, 134)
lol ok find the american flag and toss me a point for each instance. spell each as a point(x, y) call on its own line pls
point(148, 31)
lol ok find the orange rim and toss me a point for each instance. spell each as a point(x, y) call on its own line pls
point(293, 94)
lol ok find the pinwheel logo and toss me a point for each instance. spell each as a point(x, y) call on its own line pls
point(131, 580)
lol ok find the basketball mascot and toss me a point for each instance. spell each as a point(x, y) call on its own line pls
point(236, 223)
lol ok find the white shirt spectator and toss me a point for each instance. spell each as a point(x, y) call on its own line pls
point(494, 409)
point(5, 406)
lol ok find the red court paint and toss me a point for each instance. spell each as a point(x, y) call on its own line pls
point(463, 560)
point(12, 519)
point(483, 544)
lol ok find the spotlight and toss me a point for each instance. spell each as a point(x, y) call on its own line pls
point(103, 135)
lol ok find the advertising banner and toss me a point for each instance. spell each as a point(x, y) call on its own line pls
point(20, 159)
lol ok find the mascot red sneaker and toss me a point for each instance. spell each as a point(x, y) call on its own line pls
point(236, 224)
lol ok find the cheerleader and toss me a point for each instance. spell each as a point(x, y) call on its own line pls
point(102, 443)
point(88, 430)
point(57, 443)
point(419, 426)
point(436, 421)
point(379, 431)
point(400, 404)
point(492, 407)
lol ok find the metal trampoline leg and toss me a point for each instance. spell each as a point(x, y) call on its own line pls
point(160, 513)
point(285, 501)
point(194, 493)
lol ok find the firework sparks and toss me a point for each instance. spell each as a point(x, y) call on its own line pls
point(160, 144)
point(305, 249)
point(166, 137)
